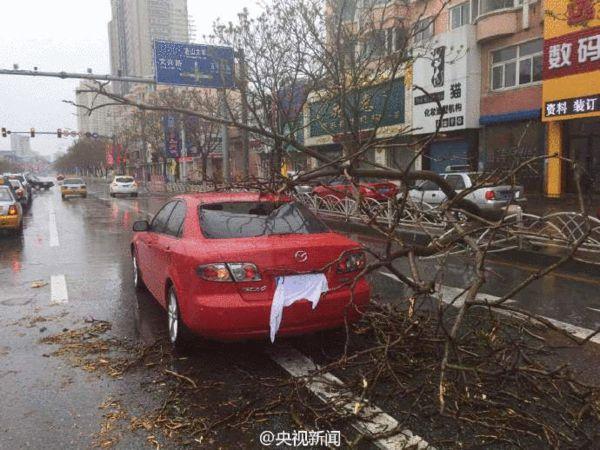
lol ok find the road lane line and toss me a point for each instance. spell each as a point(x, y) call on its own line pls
point(52, 226)
point(528, 268)
point(449, 293)
point(58, 290)
point(594, 309)
point(370, 419)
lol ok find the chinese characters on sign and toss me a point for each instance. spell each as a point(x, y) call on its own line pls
point(452, 108)
point(573, 53)
point(571, 62)
point(572, 106)
point(193, 65)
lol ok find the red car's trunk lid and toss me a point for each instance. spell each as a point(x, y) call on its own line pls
point(279, 255)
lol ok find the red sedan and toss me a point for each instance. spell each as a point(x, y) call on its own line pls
point(369, 188)
point(214, 261)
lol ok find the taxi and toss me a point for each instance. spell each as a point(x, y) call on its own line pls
point(73, 187)
point(11, 211)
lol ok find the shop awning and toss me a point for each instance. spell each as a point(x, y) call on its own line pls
point(514, 116)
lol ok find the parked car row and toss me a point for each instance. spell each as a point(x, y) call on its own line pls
point(491, 197)
point(16, 197)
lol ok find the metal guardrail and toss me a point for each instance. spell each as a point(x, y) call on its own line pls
point(559, 230)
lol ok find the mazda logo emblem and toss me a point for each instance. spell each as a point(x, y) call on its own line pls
point(301, 256)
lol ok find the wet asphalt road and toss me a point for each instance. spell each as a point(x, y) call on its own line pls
point(46, 403)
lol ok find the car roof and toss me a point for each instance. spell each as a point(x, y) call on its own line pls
point(224, 197)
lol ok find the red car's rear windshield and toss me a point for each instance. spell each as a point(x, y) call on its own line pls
point(230, 220)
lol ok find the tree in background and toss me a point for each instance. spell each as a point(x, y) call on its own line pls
point(84, 157)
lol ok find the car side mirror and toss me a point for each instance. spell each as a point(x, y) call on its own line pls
point(141, 225)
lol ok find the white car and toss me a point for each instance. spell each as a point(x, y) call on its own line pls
point(124, 185)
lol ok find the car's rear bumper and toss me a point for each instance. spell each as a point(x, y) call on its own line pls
point(500, 204)
point(9, 222)
point(73, 192)
point(123, 190)
point(230, 318)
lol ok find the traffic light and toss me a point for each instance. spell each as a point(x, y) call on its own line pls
point(59, 133)
point(32, 132)
point(3, 132)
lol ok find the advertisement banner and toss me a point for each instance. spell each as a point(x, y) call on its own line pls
point(571, 60)
point(110, 160)
point(450, 80)
point(172, 137)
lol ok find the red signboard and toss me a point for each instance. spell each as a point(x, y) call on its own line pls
point(573, 53)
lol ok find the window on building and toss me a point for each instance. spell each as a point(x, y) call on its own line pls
point(376, 44)
point(487, 6)
point(517, 65)
point(423, 29)
point(459, 15)
point(385, 42)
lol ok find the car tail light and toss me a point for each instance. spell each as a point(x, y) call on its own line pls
point(352, 262)
point(490, 195)
point(228, 272)
point(20, 193)
point(12, 210)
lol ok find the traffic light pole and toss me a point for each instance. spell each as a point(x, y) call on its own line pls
point(81, 76)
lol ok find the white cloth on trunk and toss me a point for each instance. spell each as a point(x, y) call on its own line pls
point(292, 288)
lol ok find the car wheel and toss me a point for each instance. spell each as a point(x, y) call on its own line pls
point(112, 195)
point(177, 331)
point(138, 282)
point(84, 195)
point(63, 197)
point(135, 194)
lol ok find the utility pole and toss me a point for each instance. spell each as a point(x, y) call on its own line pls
point(245, 137)
point(144, 156)
point(183, 170)
point(81, 76)
point(224, 137)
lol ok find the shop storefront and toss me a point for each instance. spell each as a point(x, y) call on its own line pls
point(571, 93)
point(446, 99)
point(511, 140)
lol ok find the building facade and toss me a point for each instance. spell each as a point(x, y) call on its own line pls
point(101, 121)
point(571, 94)
point(510, 34)
point(20, 145)
point(135, 25)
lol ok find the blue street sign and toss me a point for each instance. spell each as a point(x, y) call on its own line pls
point(183, 64)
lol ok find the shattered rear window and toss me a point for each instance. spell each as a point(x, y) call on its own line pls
point(230, 220)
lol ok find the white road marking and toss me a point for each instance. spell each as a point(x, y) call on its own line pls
point(52, 226)
point(370, 419)
point(58, 290)
point(594, 309)
point(449, 293)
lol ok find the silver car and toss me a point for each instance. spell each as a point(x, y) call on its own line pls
point(493, 197)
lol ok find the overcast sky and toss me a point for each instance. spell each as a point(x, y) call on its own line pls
point(68, 35)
